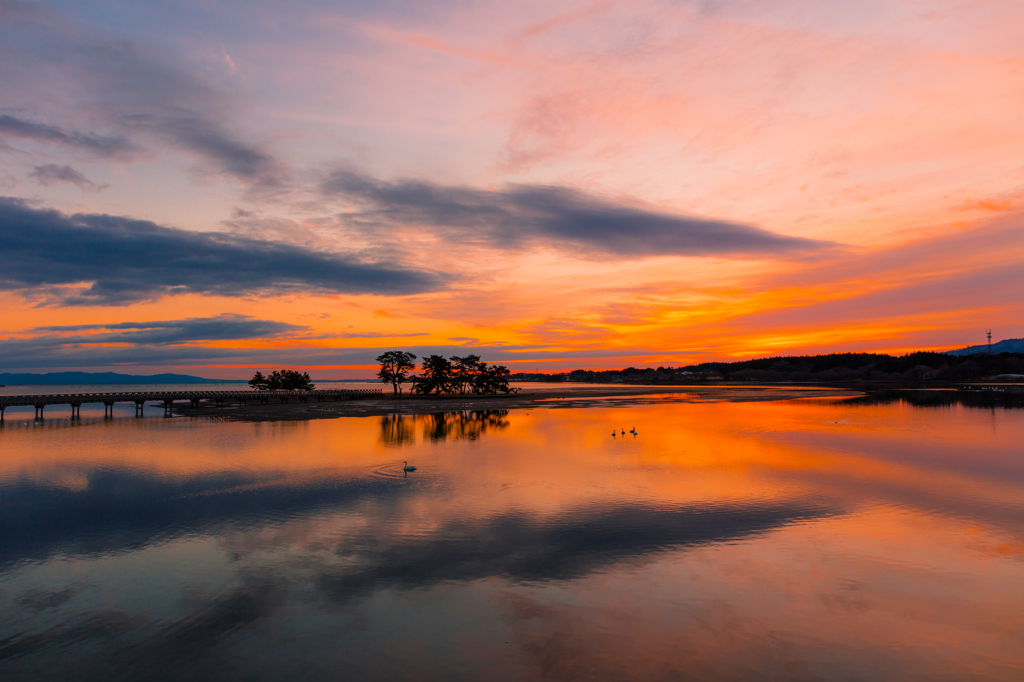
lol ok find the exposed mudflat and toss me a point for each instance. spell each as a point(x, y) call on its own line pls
point(572, 396)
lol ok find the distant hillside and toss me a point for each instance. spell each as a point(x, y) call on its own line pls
point(104, 378)
point(1004, 346)
point(836, 367)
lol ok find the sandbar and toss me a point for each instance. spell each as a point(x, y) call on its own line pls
point(572, 396)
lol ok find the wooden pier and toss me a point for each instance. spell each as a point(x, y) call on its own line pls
point(168, 398)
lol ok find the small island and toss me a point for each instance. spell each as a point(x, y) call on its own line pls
point(468, 383)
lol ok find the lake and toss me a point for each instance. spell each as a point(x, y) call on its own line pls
point(812, 539)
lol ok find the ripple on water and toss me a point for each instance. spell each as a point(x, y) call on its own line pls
point(394, 470)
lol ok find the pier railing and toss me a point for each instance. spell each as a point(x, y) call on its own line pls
point(168, 398)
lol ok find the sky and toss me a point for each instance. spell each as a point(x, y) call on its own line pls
point(216, 187)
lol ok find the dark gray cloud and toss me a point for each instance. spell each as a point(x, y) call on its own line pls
point(521, 215)
point(128, 260)
point(220, 328)
point(101, 145)
point(51, 173)
point(51, 351)
point(48, 352)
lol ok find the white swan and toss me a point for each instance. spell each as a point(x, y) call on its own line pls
point(408, 467)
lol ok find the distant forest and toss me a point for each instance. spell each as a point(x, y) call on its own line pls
point(836, 367)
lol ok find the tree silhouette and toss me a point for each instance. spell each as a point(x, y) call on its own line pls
point(465, 371)
point(259, 382)
point(436, 378)
point(492, 380)
point(394, 366)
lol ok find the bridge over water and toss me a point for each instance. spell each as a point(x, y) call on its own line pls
point(168, 398)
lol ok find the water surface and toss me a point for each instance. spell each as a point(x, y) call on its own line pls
point(800, 540)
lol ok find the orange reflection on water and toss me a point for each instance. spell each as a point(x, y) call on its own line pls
point(799, 539)
point(683, 452)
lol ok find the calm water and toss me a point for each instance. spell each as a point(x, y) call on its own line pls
point(802, 540)
point(11, 389)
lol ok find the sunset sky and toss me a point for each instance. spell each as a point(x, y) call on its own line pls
point(215, 186)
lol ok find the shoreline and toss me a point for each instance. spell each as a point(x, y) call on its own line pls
point(574, 397)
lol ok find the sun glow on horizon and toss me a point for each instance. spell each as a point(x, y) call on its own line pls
point(589, 186)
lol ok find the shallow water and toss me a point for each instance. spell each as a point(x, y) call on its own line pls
point(41, 389)
point(803, 540)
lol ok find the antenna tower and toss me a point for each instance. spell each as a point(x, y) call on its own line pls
point(988, 333)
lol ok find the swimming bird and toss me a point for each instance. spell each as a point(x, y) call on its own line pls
point(408, 467)
point(623, 432)
point(614, 434)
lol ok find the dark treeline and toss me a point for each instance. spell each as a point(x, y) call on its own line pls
point(841, 367)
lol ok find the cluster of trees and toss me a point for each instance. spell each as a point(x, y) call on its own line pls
point(282, 380)
point(455, 375)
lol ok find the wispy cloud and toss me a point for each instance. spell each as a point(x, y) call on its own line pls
point(157, 99)
point(115, 146)
point(210, 140)
point(136, 90)
point(193, 343)
point(51, 174)
point(162, 332)
point(374, 335)
point(124, 260)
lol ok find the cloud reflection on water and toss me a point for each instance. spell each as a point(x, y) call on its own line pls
point(180, 648)
point(127, 510)
point(729, 541)
point(524, 547)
